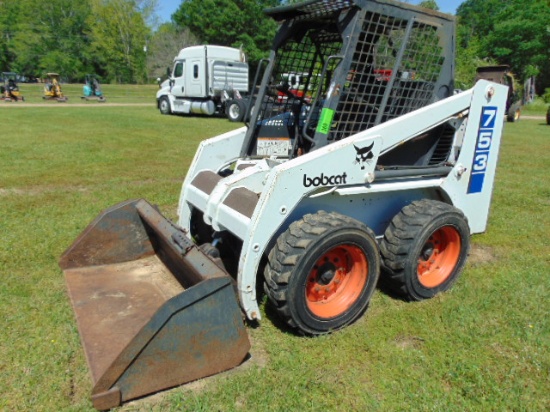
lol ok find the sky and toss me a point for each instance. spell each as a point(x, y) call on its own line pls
point(445, 6)
point(167, 7)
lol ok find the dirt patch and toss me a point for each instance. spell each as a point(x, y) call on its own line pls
point(408, 342)
point(481, 254)
point(533, 117)
point(36, 191)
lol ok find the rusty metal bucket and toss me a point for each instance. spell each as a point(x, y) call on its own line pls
point(153, 311)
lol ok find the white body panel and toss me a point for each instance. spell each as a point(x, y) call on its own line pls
point(332, 178)
point(202, 76)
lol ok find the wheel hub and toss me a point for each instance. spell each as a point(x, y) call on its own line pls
point(326, 273)
point(439, 257)
point(336, 281)
point(427, 251)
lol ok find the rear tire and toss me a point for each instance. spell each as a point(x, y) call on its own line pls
point(322, 272)
point(235, 110)
point(164, 105)
point(424, 249)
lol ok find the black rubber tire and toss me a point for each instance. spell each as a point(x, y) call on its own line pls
point(409, 246)
point(548, 117)
point(164, 105)
point(292, 261)
point(513, 114)
point(235, 110)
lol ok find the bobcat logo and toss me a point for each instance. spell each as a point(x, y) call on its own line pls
point(363, 155)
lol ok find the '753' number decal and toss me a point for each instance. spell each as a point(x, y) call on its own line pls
point(483, 147)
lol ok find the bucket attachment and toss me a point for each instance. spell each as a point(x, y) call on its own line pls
point(153, 311)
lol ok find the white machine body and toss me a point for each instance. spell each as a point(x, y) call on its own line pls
point(264, 196)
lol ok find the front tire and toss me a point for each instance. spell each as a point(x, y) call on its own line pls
point(164, 105)
point(235, 110)
point(514, 114)
point(322, 272)
point(425, 248)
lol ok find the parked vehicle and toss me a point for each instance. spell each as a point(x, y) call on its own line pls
point(375, 170)
point(9, 91)
point(52, 88)
point(208, 80)
point(502, 74)
point(92, 89)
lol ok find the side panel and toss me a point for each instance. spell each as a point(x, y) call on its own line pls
point(228, 76)
point(471, 191)
point(375, 208)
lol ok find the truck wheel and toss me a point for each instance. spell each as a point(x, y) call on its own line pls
point(164, 105)
point(322, 272)
point(235, 110)
point(424, 249)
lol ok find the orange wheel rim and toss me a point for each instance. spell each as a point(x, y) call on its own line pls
point(336, 281)
point(439, 257)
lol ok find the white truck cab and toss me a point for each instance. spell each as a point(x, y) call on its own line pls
point(204, 80)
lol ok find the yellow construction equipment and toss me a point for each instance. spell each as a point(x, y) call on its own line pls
point(52, 88)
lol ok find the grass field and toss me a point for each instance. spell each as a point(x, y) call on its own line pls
point(484, 345)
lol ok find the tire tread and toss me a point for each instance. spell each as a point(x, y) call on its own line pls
point(399, 238)
point(290, 246)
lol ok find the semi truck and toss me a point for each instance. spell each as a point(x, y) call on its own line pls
point(208, 80)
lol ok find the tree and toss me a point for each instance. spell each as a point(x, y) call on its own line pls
point(8, 16)
point(51, 37)
point(233, 23)
point(521, 38)
point(165, 43)
point(467, 61)
point(477, 17)
point(512, 32)
point(119, 38)
point(429, 4)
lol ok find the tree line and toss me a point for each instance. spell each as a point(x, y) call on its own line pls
point(122, 42)
point(73, 38)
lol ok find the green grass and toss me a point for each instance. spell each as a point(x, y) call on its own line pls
point(535, 108)
point(484, 345)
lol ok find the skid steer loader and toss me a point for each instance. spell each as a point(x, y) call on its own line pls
point(373, 170)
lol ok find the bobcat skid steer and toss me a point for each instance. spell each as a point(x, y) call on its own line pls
point(373, 170)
